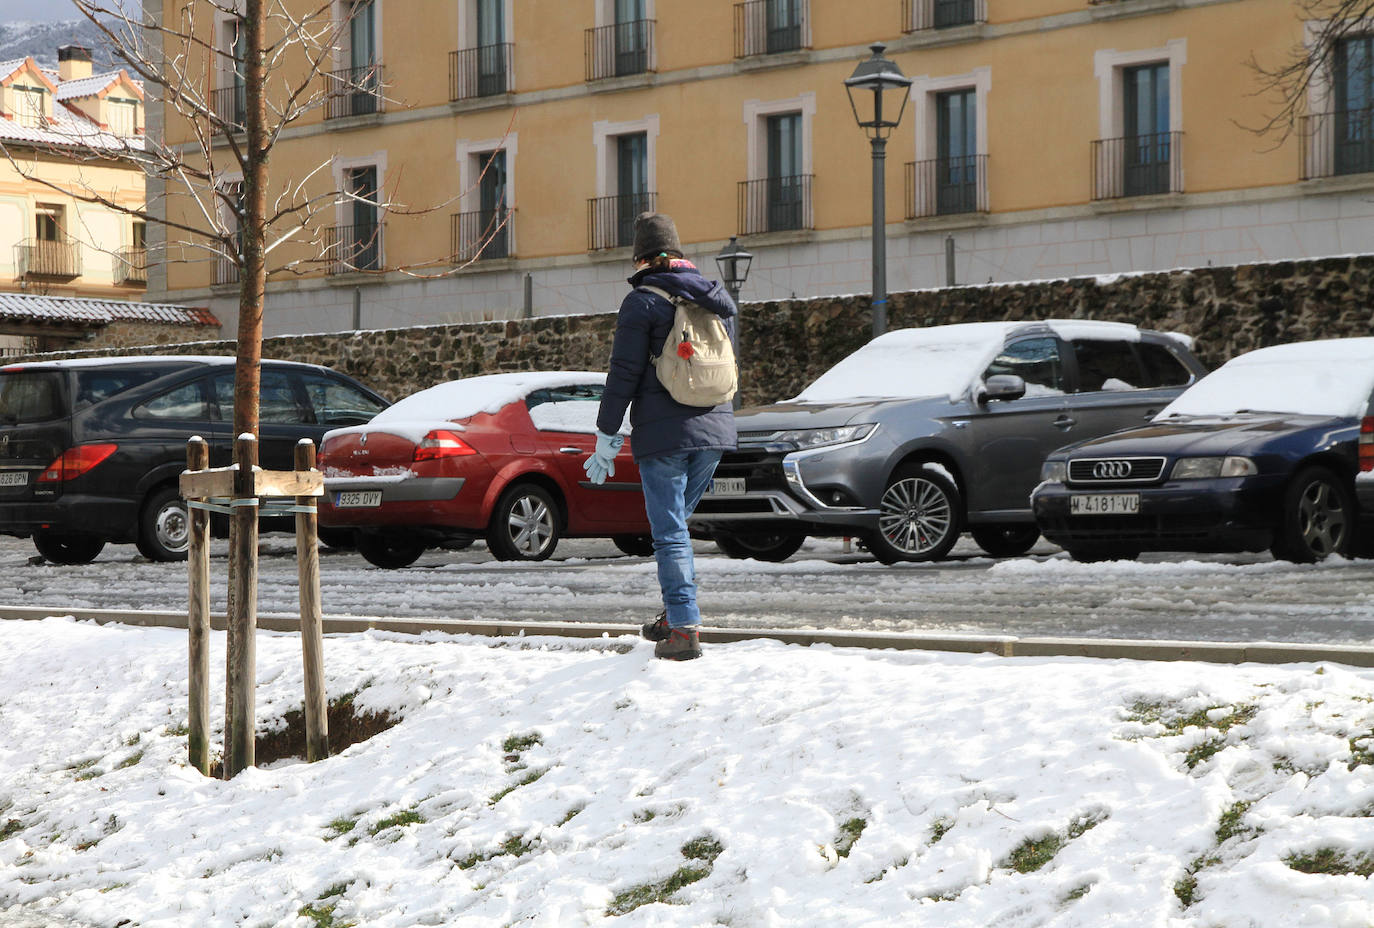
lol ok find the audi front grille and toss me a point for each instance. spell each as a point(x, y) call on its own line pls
point(1115, 470)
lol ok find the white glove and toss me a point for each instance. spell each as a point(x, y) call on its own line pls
point(602, 462)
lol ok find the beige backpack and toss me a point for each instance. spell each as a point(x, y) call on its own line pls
point(697, 366)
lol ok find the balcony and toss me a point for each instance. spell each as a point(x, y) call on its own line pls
point(229, 105)
point(1137, 165)
point(775, 204)
point(41, 259)
point(1337, 143)
point(947, 186)
point(923, 15)
point(350, 249)
point(483, 235)
point(771, 27)
point(611, 220)
point(354, 92)
point(131, 266)
point(484, 71)
point(621, 49)
point(224, 272)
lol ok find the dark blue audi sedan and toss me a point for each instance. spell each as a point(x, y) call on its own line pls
point(1268, 451)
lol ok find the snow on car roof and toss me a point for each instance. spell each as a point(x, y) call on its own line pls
point(950, 357)
point(1331, 377)
point(462, 399)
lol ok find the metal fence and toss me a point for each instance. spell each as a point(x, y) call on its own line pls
point(38, 257)
point(1336, 143)
point(611, 220)
point(768, 27)
point(230, 104)
point(621, 49)
point(946, 186)
point(354, 92)
point(224, 271)
point(354, 248)
point(775, 204)
point(482, 234)
point(1137, 165)
point(483, 71)
point(920, 15)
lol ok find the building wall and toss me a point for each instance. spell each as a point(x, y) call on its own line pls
point(1044, 72)
point(786, 344)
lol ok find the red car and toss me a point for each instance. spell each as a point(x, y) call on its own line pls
point(498, 457)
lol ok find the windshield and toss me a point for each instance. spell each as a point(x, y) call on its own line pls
point(941, 361)
point(1326, 387)
point(30, 396)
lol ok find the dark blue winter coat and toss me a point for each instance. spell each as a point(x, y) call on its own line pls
point(660, 424)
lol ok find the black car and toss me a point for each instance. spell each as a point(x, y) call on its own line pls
point(91, 449)
point(1263, 453)
point(925, 432)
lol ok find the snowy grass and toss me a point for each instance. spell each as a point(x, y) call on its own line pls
point(554, 782)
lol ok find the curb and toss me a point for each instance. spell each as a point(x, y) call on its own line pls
point(1219, 652)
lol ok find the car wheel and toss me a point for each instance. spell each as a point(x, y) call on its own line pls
point(388, 551)
point(761, 547)
point(524, 525)
point(635, 545)
point(1007, 540)
point(1318, 518)
point(164, 528)
point(68, 549)
point(1096, 554)
point(919, 517)
point(339, 538)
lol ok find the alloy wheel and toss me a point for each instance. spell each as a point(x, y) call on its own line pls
point(1322, 519)
point(915, 515)
point(531, 525)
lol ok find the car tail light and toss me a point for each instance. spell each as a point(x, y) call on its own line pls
point(1367, 443)
point(75, 461)
point(441, 443)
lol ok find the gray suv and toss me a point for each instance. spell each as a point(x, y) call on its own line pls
point(924, 432)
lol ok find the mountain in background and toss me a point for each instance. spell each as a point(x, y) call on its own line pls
point(21, 39)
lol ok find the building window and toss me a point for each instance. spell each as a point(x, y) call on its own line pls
point(123, 115)
point(950, 173)
point(1140, 151)
point(486, 232)
point(358, 243)
point(226, 268)
point(1353, 78)
point(785, 180)
point(625, 44)
point(49, 253)
point(48, 222)
point(625, 181)
point(920, 15)
point(30, 106)
point(777, 197)
point(482, 67)
point(230, 99)
point(357, 89)
point(1146, 145)
point(768, 27)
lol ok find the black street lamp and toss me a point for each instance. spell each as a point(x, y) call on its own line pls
point(882, 89)
point(733, 262)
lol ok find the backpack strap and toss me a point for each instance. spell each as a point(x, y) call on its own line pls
point(659, 291)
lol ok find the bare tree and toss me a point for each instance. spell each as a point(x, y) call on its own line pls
point(1309, 64)
point(232, 76)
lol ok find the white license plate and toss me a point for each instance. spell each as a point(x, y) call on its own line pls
point(1104, 504)
point(358, 499)
point(14, 478)
point(726, 486)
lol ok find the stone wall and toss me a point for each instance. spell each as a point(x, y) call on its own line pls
point(131, 334)
point(786, 344)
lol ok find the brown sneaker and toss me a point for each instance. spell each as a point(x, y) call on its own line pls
point(682, 644)
point(658, 629)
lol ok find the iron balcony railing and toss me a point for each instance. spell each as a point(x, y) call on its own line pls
point(920, 15)
point(1137, 165)
point(483, 234)
point(621, 49)
point(775, 204)
point(947, 186)
point(611, 220)
point(131, 265)
point(768, 27)
point(354, 248)
point(55, 260)
point(224, 271)
point(230, 104)
point(1337, 143)
point(354, 92)
point(484, 71)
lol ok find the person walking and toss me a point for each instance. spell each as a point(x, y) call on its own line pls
point(677, 447)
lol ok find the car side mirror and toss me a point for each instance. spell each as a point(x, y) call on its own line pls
point(1002, 387)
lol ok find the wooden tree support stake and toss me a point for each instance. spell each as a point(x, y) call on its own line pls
point(312, 623)
point(198, 619)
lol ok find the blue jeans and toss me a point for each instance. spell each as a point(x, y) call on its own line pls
point(673, 484)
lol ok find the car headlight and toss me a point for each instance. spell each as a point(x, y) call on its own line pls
point(817, 438)
point(1204, 468)
point(1054, 471)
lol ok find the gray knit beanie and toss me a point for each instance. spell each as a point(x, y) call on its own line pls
point(655, 234)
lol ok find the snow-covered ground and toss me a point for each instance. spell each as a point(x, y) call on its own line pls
point(549, 782)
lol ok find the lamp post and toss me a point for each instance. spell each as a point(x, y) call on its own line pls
point(875, 79)
point(733, 263)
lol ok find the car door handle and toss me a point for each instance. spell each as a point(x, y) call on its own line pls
point(1065, 422)
point(572, 450)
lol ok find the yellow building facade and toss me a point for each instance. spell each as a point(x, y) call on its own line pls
point(1041, 138)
